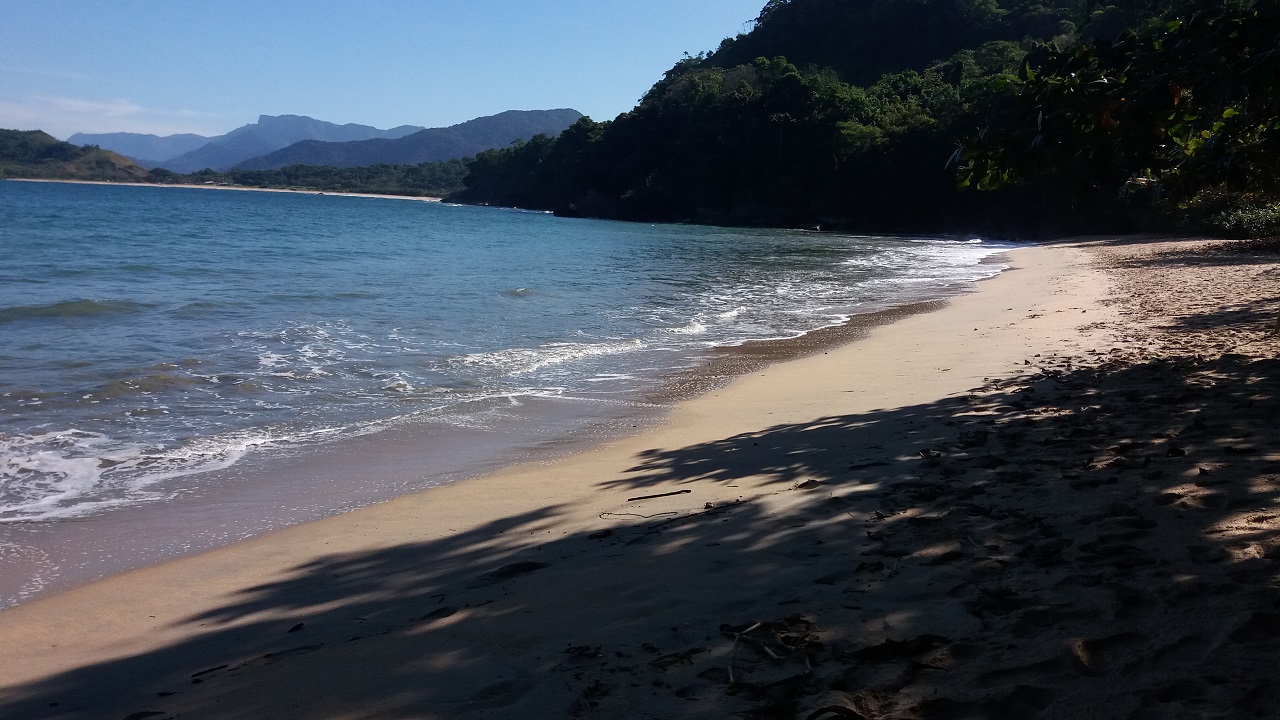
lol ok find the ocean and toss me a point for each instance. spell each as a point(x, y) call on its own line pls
point(181, 368)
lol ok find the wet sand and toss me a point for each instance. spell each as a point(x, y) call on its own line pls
point(1056, 498)
point(260, 494)
point(295, 484)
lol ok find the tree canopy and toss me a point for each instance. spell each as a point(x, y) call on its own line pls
point(1024, 115)
point(1179, 113)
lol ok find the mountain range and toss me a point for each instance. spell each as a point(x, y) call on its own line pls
point(188, 153)
point(145, 150)
point(430, 145)
point(297, 139)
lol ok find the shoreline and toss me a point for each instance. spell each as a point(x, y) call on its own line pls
point(951, 516)
point(211, 186)
point(92, 548)
point(705, 386)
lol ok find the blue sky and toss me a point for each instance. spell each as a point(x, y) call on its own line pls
point(171, 66)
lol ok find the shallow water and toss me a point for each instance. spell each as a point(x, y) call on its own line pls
point(152, 333)
point(163, 344)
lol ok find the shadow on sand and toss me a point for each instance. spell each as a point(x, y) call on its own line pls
point(1097, 538)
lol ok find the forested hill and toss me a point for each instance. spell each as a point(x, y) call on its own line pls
point(899, 114)
point(34, 154)
point(865, 39)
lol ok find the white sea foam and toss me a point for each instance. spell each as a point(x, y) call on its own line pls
point(610, 377)
point(43, 473)
point(271, 360)
point(70, 473)
point(693, 327)
point(519, 361)
point(399, 385)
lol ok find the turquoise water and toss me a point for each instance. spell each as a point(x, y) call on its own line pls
point(151, 336)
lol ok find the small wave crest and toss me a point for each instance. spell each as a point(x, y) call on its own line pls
point(693, 327)
point(69, 310)
point(157, 382)
point(70, 473)
point(47, 475)
point(518, 361)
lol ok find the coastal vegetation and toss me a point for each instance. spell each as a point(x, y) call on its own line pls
point(1027, 117)
point(428, 179)
point(1038, 116)
point(35, 154)
point(1178, 116)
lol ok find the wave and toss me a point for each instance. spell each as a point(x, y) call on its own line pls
point(157, 382)
point(693, 327)
point(70, 309)
point(202, 309)
point(50, 474)
point(71, 473)
point(518, 361)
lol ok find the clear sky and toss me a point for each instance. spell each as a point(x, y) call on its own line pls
point(172, 66)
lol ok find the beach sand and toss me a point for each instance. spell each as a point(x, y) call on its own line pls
point(216, 186)
point(1056, 497)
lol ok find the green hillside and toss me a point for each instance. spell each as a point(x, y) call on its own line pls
point(881, 115)
point(35, 154)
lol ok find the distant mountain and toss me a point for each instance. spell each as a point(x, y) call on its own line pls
point(147, 150)
point(433, 145)
point(35, 154)
point(271, 133)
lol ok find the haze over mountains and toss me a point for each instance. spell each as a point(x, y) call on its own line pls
point(145, 150)
point(323, 143)
point(431, 145)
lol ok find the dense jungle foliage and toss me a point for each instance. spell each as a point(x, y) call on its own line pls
point(1026, 116)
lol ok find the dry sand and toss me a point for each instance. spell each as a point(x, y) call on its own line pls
point(1054, 498)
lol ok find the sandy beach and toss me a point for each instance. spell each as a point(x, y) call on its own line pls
point(215, 186)
point(1056, 497)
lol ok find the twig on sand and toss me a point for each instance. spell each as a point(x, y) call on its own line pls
point(761, 644)
point(656, 528)
point(665, 494)
point(604, 515)
point(733, 656)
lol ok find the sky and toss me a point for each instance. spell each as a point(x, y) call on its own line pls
point(207, 67)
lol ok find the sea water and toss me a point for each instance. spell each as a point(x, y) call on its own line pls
point(152, 339)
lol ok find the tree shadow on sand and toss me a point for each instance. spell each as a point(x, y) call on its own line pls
point(1096, 538)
